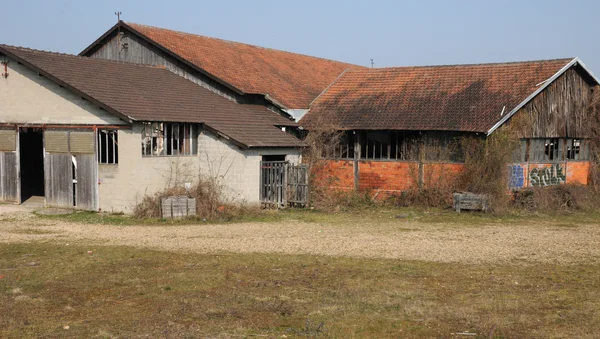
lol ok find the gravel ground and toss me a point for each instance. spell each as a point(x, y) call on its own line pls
point(526, 244)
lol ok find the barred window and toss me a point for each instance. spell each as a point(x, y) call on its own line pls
point(108, 147)
point(166, 139)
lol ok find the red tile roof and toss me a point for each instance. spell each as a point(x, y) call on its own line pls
point(142, 93)
point(291, 79)
point(468, 98)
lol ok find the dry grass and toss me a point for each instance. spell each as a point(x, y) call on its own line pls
point(129, 292)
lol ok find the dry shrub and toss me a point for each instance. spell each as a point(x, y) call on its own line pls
point(427, 197)
point(486, 163)
point(209, 191)
point(209, 202)
point(556, 198)
point(594, 138)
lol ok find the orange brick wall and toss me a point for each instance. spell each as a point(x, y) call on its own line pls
point(441, 174)
point(394, 176)
point(335, 174)
point(387, 175)
point(578, 173)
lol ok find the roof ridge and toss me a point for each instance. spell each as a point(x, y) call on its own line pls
point(466, 65)
point(27, 49)
point(133, 24)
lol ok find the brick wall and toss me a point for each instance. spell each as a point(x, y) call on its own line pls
point(387, 175)
point(394, 176)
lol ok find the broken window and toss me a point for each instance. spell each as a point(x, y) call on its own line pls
point(558, 149)
point(164, 139)
point(108, 147)
point(546, 150)
point(578, 149)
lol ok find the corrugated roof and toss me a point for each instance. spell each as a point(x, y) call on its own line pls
point(468, 98)
point(146, 93)
point(293, 80)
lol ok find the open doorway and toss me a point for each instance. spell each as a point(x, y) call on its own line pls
point(31, 152)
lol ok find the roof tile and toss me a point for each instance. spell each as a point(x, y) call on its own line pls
point(294, 80)
point(145, 93)
point(468, 98)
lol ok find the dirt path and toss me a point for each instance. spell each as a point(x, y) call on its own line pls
point(401, 240)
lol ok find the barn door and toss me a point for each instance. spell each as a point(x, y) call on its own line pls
point(71, 169)
point(9, 174)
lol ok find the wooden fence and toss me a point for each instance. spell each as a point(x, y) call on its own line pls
point(283, 184)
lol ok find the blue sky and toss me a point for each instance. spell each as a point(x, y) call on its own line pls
point(394, 33)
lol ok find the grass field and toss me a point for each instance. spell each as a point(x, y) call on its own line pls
point(63, 291)
point(51, 286)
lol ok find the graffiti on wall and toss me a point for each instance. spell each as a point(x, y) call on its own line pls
point(547, 176)
point(516, 177)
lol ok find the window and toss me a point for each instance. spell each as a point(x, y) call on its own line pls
point(165, 139)
point(555, 149)
point(578, 149)
point(108, 147)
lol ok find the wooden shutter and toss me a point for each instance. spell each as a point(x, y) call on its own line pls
point(82, 142)
point(56, 141)
point(8, 140)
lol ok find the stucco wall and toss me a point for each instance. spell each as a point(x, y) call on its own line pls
point(26, 97)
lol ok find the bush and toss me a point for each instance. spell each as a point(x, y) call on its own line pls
point(210, 204)
point(556, 198)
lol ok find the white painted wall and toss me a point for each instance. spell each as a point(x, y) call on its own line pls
point(26, 97)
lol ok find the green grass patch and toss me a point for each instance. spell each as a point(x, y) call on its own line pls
point(132, 292)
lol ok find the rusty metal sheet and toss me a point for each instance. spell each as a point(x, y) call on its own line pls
point(56, 141)
point(82, 142)
point(8, 140)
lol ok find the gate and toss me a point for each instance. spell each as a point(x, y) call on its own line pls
point(283, 184)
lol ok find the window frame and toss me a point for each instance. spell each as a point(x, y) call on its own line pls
point(169, 139)
point(115, 146)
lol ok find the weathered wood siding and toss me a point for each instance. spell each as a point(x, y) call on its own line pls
point(59, 180)
point(559, 111)
point(8, 176)
point(141, 52)
point(87, 179)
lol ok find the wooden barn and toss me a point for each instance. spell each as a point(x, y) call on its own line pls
point(99, 135)
point(398, 124)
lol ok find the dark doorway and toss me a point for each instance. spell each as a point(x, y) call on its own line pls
point(31, 148)
point(279, 157)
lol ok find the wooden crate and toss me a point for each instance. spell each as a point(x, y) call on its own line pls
point(178, 207)
point(470, 201)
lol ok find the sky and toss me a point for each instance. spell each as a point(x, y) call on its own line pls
point(393, 33)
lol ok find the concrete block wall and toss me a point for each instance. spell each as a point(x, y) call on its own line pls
point(122, 186)
point(236, 169)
